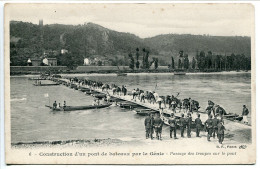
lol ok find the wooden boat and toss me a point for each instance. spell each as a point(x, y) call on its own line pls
point(56, 76)
point(99, 95)
point(91, 92)
point(121, 74)
point(55, 84)
point(129, 105)
point(84, 89)
point(145, 112)
point(74, 86)
point(73, 108)
point(114, 99)
point(179, 73)
point(37, 78)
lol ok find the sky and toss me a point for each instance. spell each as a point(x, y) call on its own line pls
point(144, 20)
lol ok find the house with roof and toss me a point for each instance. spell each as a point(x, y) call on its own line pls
point(50, 61)
point(34, 62)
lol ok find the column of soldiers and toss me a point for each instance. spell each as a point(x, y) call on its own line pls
point(213, 127)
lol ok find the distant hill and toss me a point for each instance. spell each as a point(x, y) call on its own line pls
point(173, 43)
point(31, 40)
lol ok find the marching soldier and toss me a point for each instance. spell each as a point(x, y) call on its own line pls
point(182, 124)
point(209, 127)
point(210, 107)
point(188, 122)
point(215, 126)
point(172, 123)
point(198, 124)
point(158, 123)
point(148, 122)
point(221, 129)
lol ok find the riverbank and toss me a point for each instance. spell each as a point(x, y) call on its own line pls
point(131, 141)
point(130, 73)
point(36, 70)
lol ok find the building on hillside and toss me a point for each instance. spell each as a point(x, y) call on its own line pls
point(34, 62)
point(87, 61)
point(29, 62)
point(41, 22)
point(50, 61)
point(63, 51)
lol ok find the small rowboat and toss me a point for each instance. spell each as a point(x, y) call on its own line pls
point(121, 74)
point(91, 92)
point(73, 86)
point(145, 112)
point(179, 73)
point(55, 84)
point(37, 78)
point(84, 89)
point(129, 105)
point(73, 108)
point(99, 95)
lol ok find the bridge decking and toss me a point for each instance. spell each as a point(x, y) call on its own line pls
point(155, 106)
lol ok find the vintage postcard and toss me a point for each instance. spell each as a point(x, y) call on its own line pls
point(125, 83)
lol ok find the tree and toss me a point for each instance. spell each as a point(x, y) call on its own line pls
point(172, 63)
point(181, 59)
point(137, 59)
point(144, 58)
point(156, 63)
point(209, 60)
point(186, 62)
point(137, 65)
point(99, 63)
point(193, 63)
point(201, 60)
point(132, 61)
point(181, 53)
point(179, 64)
point(146, 61)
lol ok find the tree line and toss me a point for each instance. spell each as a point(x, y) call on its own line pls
point(202, 61)
point(134, 63)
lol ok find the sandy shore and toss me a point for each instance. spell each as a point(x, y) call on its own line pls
point(136, 142)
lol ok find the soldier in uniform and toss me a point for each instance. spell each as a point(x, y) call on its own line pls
point(172, 123)
point(245, 113)
point(209, 126)
point(215, 126)
point(182, 124)
point(221, 129)
point(157, 124)
point(54, 106)
point(198, 124)
point(210, 107)
point(190, 105)
point(188, 123)
point(148, 126)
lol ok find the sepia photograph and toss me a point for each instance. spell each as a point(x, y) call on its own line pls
point(105, 83)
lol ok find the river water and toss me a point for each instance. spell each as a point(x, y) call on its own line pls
point(32, 121)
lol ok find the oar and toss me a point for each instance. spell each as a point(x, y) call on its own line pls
point(155, 87)
point(48, 106)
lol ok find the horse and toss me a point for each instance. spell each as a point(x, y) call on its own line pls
point(118, 90)
point(186, 104)
point(194, 105)
point(219, 110)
